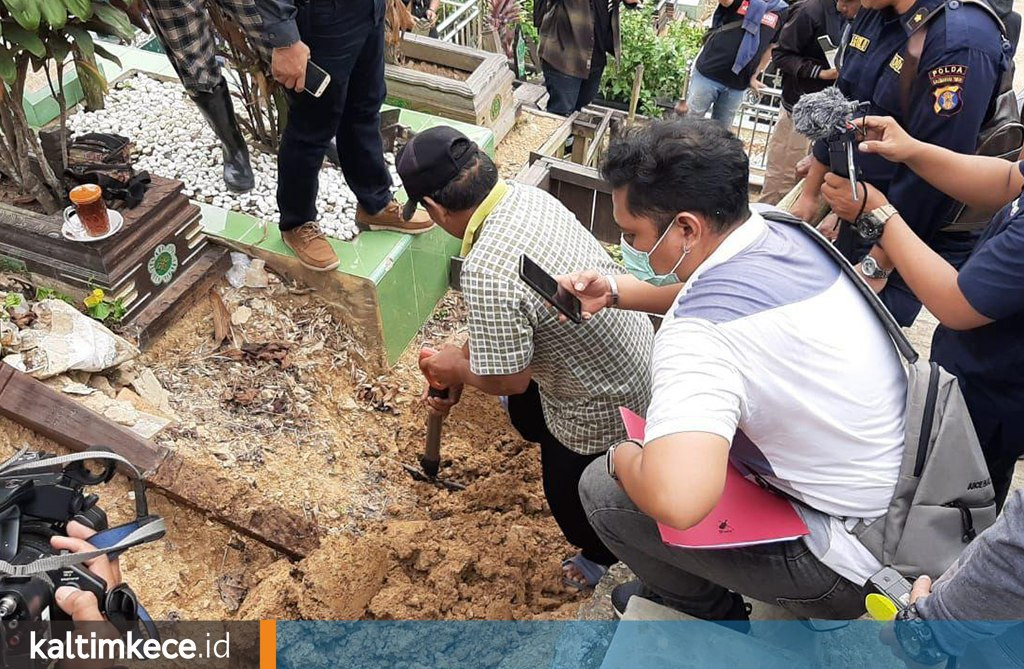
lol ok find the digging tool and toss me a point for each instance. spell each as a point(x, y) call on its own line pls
point(430, 461)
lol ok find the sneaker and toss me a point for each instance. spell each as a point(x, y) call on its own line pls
point(390, 218)
point(311, 247)
point(737, 619)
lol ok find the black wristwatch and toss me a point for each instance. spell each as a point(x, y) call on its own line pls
point(916, 638)
point(871, 224)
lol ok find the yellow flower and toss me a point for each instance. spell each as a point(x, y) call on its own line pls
point(94, 298)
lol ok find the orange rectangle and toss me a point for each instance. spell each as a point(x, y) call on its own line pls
point(268, 644)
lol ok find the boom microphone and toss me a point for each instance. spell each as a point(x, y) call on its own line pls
point(824, 114)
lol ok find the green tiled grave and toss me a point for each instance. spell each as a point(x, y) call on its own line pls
point(406, 274)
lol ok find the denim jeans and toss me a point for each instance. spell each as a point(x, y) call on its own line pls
point(698, 581)
point(568, 94)
point(347, 40)
point(706, 94)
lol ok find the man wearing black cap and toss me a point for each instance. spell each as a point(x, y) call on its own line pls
point(565, 382)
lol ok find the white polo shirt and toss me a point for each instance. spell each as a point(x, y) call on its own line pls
point(770, 346)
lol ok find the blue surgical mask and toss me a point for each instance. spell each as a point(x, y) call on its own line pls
point(638, 263)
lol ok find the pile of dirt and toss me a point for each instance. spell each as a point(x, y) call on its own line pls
point(529, 133)
point(435, 69)
point(284, 405)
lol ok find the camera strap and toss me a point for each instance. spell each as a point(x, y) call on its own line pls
point(144, 529)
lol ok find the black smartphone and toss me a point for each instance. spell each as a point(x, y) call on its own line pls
point(317, 79)
point(546, 286)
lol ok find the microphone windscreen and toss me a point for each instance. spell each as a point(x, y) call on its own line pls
point(819, 115)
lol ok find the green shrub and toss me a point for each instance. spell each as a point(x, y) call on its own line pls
point(666, 59)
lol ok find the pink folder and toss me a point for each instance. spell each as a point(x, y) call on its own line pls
point(746, 515)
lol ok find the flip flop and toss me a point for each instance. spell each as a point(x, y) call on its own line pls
point(591, 571)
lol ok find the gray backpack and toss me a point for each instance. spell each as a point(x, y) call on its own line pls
point(944, 496)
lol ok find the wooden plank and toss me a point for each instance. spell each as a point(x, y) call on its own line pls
point(38, 407)
point(421, 47)
point(596, 141)
point(55, 416)
point(578, 199)
point(603, 226)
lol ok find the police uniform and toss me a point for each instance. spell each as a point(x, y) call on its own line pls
point(989, 361)
point(957, 77)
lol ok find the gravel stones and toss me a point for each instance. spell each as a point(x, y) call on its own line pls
point(172, 139)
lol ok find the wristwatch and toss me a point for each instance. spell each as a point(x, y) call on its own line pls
point(610, 456)
point(613, 288)
point(870, 268)
point(870, 225)
point(916, 637)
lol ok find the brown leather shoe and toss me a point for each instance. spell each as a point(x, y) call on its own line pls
point(311, 247)
point(390, 218)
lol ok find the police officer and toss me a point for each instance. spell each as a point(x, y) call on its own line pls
point(957, 77)
point(347, 40)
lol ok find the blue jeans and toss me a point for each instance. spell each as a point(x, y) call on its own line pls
point(705, 94)
point(568, 94)
point(347, 40)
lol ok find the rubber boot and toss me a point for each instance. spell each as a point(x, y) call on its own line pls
point(220, 114)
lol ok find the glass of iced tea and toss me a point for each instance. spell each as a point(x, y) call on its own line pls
point(91, 209)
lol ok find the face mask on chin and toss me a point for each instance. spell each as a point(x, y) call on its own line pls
point(638, 263)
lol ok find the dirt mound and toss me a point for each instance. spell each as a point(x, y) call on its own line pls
point(491, 551)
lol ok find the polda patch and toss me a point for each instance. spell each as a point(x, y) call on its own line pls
point(860, 43)
point(948, 88)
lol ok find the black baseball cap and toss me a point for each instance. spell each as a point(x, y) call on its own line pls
point(430, 160)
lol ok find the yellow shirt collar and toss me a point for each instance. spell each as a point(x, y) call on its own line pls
point(481, 214)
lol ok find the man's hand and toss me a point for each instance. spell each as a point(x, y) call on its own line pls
point(431, 16)
point(445, 367)
point(830, 74)
point(756, 84)
point(805, 208)
point(443, 405)
point(625, 454)
point(922, 588)
point(829, 227)
point(803, 166)
point(591, 288)
point(80, 605)
point(886, 138)
point(836, 191)
point(288, 65)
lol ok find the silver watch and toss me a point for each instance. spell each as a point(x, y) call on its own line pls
point(870, 268)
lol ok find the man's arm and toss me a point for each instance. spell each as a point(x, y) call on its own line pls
point(594, 292)
point(806, 206)
point(979, 181)
point(762, 64)
point(676, 480)
point(789, 55)
point(982, 595)
point(697, 392)
point(290, 56)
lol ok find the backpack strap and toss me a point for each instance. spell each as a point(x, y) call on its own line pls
point(893, 328)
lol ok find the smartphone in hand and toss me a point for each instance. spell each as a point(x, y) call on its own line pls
point(546, 286)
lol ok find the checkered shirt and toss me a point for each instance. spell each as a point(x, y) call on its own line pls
point(185, 30)
point(585, 372)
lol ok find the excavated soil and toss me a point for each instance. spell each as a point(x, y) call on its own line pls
point(284, 406)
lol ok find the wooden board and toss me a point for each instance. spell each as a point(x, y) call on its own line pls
point(55, 416)
point(581, 189)
point(485, 98)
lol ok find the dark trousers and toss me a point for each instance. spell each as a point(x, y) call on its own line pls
point(1002, 442)
point(698, 581)
point(346, 39)
point(561, 472)
point(567, 94)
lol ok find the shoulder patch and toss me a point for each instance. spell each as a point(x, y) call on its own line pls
point(859, 42)
point(948, 88)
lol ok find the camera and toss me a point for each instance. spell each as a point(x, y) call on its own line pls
point(39, 495)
